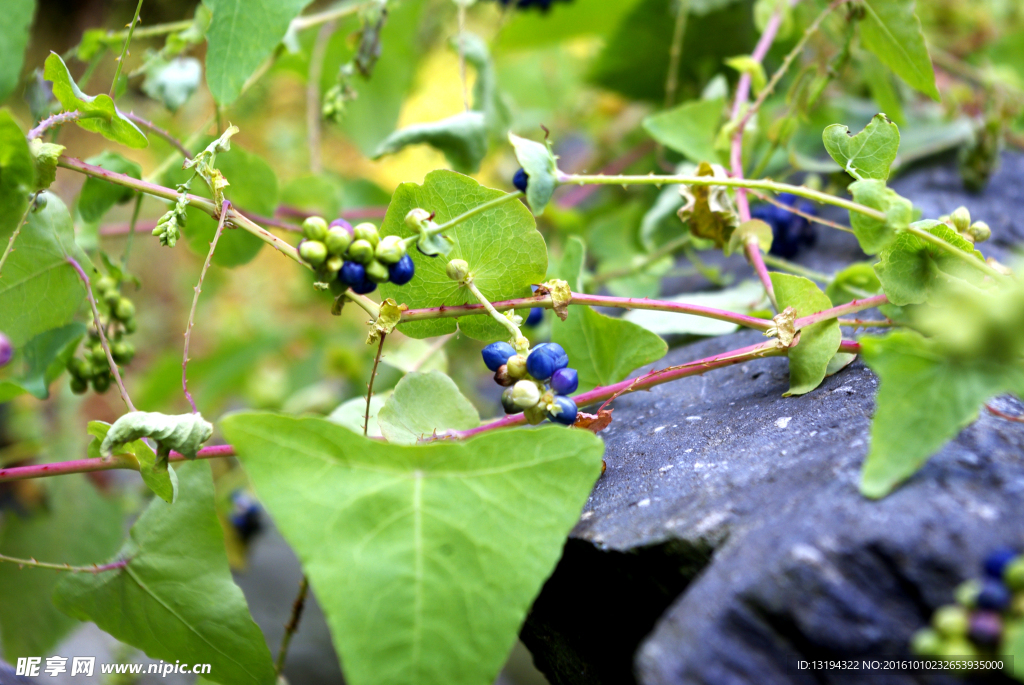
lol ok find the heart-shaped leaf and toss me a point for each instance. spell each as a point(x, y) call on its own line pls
point(819, 342)
point(422, 404)
point(870, 153)
point(424, 558)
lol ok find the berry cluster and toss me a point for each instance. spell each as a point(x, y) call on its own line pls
point(356, 258)
point(973, 626)
point(537, 384)
point(790, 232)
point(117, 317)
point(960, 221)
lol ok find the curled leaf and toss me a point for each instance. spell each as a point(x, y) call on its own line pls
point(538, 161)
point(44, 156)
point(594, 422)
point(154, 471)
point(182, 433)
point(561, 296)
point(709, 210)
point(390, 315)
point(462, 138)
point(755, 229)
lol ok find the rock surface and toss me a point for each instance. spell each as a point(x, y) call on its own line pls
point(727, 539)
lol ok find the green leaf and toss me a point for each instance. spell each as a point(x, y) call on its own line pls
point(156, 474)
point(753, 229)
point(852, 283)
point(242, 35)
point(910, 269)
point(175, 599)
point(352, 414)
point(424, 558)
point(42, 362)
point(870, 153)
point(504, 251)
point(744, 297)
point(17, 175)
point(689, 129)
point(462, 138)
point(924, 400)
point(892, 31)
point(98, 113)
point(98, 196)
point(78, 527)
point(882, 88)
point(172, 82)
point(818, 343)
point(422, 404)
point(872, 234)
point(745, 64)
point(184, 433)
point(39, 289)
point(14, 35)
point(486, 97)
point(602, 349)
point(541, 170)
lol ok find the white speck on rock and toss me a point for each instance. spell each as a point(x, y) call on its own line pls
point(585, 515)
point(689, 450)
point(783, 421)
point(666, 467)
point(813, 433)
point(659, 429)
point(847, 389)
point(646, 502)
point(857, 443)
point(693, 418)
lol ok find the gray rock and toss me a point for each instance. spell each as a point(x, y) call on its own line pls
point(727, 539)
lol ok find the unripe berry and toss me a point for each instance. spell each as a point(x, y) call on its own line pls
point(961, 219)
point(333, 264)
point(391, 249)
point(368, 232)
point(112, 297)
point(457, 269)
point(360, 251)
point(416, 218)
point(79, 385)
point(122, 352)
point(6, 350)
point(525, 394)
point(315, 228)
point(1013, 574)
point(926, 642)
point(124, 310)
point(98, 357)
point(130, 325)
point(516, 367)
point(562, 410)
point(40, 202)
point(105, 285)
point(78, 368)
point(966, 593)
point(502, 378)
point(101, 382)
point(313, 252)
point(377, 272)
point(535, 414)
point(979, 231)
point(402, 272)
point(506, 402)
point(337, 240)
point(497, 354)
point(951, 621)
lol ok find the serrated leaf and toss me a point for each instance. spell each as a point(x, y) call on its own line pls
point(155, 472)
point(504, 251)
point(78, 527)
point(42, 361)
point(870, 153)
point(175, 599)
point(541, 170)
point(462, 138)
point(39, 289)
point(98, 196)
point(98, 113)
point(17, 175)
point(754, 229)
point(14, 35)
point(872, 234)
point(818, 343)
point(852, 283)
point(422, 404)
point(602, 349)
point(172, 82)
point(891, 30)
point(242, 35)
point(709, 211)
point(183, 433)
point(910, 269)
point(689, 128)
point(924, 400)
point(424, 558)
point(740, 298)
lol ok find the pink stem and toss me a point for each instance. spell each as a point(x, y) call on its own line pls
point(850, 346)
point(50, 122)
point(753, 249)
point(62, 468)
point(848, 308)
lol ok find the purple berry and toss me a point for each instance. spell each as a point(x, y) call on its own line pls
point(341, 222)
point(496, 354)
point(986, 628)
point(565, 381)
point(6, 350)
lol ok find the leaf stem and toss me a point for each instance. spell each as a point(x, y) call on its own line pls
point(131, 231)
point(14, 236)
point(848, 308)
point(675, 52)
point(468, 214)
point(495, 314)
point(369, 386)
point(95, 568)
point(63, 468)
point(149, 31)
point(343, 10)
point(161, 132)
point(966, 257)
point(313, 111)
point(793, 210)
point(292, 626)
point(788, 266)
point(124, 49)
point(103, 336)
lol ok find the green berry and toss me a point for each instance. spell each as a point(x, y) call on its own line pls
point(457, 269)
point(111, 297)
point(39, 202)
point(516, 367)
point(79, 385)
point(98, 356)
point(957, 651)
point(313, 252)
point(391, 249)
point(926, 642)
point(961, 219)
point(101, 382)
point(124, 310)
point(979, 231)
point(79, 368)
point(105, 285)
point(536, 414)
point(130, 325)
point(122, 352)
point(333, 264)
point(377, 272)
point(338, 240)
point(966, 593)
point(1013, 574)
point(951, 621)
point(315, 228)
point(368, 232)
point(361, 251)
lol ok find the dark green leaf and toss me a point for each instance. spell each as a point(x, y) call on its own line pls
point(98, 196)
point(424, 558)
point(870, 153)
point(17, 175)
point(175, 599)
point(818, 343)
point(14, 34)
point(880, 83)
point(422, 404)
point(689, 129)
point(872, 234)
point(462, 138)
point(42, 362)
point(911, 269)
point(892, 31)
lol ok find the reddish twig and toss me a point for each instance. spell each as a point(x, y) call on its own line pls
point(160, 132)
point(63, 468)
point(848, 308)
point(51, 121)
point(1004, 415)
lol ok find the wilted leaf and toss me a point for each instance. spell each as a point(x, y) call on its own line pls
point(155, 472)
point(709, 210)
point(541, 170)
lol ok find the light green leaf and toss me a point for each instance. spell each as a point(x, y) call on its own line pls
point(98, 196)
point(42, 361)
point(462, 138)
point(424, 558)
point(17, 175)
point(352, 414)
point(39, 290)
point(689, 129)
point(155, 472)
point(744, 297)
point(184, 433)
point(892, 31)
point(923, 401)
point(79, 527)
point(852, 283)
point(602, 349)
point(175, 599)
point(504, 251)
point(870, 153)
point(883, 91)
point(172, 82)
point(809, 360)
point(910, 269)
point(44, 158)
point(422, 404)
point(14, 35)
point(872, 234)
point(541, 170)
point(98, 113)
point(754, 229)
point(417, 355)
point(242, 35)
point(486, 97)
point(745, 64)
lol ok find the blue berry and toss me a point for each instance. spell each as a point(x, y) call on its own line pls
point(496, 354)
point(565, 381)
point(352, 274)
point(246, 515)
point(545, 359)
point(790, 232)
point(543, 5)
point(520, 179)
point(997, 561)
point(402, 271)
point(565, 412)
point(535, 317)
point(994, 596)
point(365, 287)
